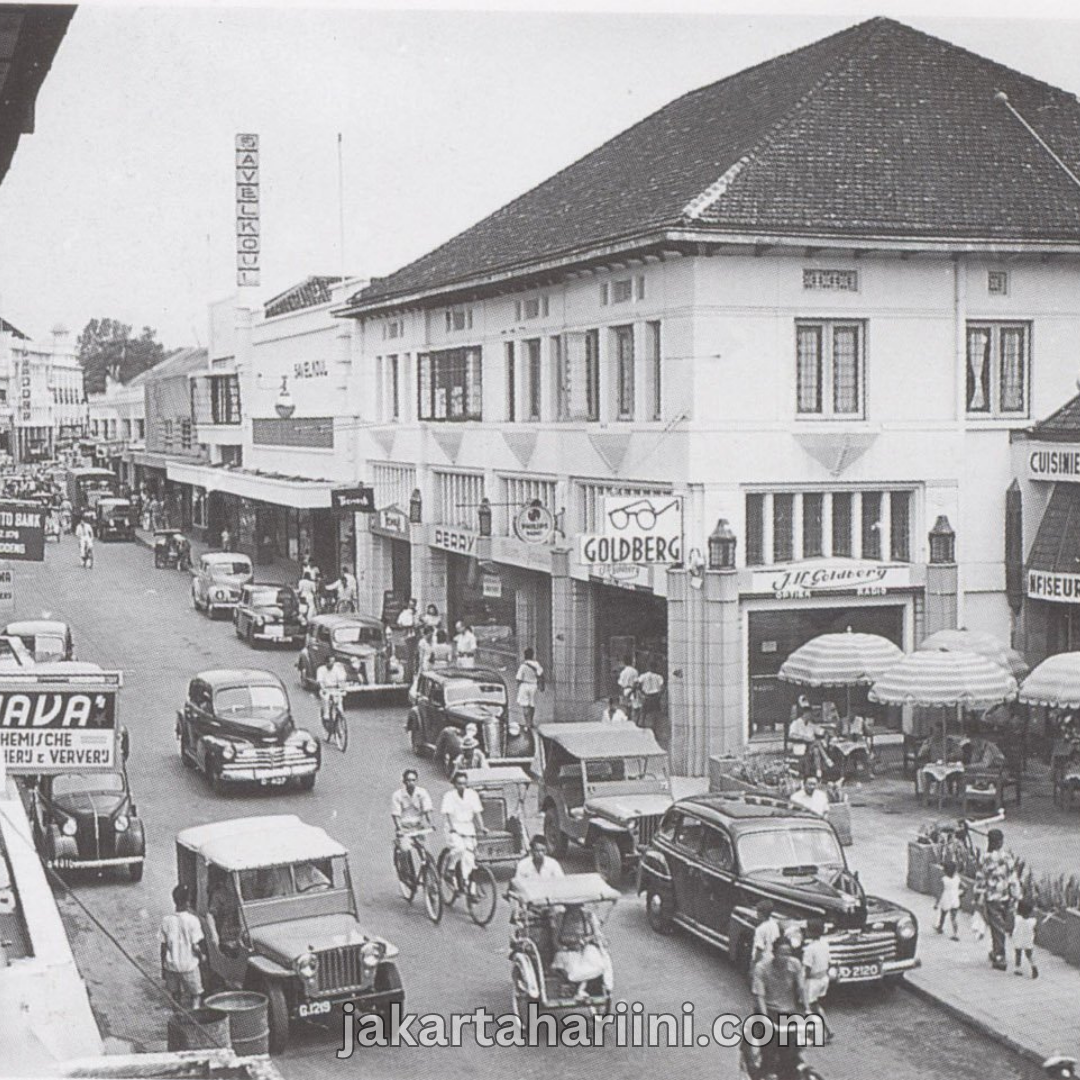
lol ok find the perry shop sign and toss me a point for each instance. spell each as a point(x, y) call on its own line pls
point(22, 532)
point(53, 724)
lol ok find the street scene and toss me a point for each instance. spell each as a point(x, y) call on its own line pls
point(611, 610)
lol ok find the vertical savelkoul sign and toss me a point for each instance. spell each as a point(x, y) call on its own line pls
point(248, 243)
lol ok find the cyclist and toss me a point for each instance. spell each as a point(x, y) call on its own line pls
point(84, 532)
point(345, 590)
point(463, 813)
point(411, 809)
point(331, 678)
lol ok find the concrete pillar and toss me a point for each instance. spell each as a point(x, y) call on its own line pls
point(573, 642)
point(428, 573)
point(941, 597)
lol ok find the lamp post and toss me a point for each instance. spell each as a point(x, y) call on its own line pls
point(484, 516)
point(722, 547)
point(416, 507)
point(284, 406)
point(942, 542)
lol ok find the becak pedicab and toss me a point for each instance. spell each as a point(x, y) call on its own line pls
point(559, 958)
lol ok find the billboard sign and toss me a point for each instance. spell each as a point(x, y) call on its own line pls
point(360, 500)
point(55, 722)
point(638, 530)
point(248, 240)
point(22, 532)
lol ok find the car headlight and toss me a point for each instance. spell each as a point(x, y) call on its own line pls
point(905, 928)
point(220, 594)
point(309, 745)
point(357, 663)
point(307, 966)
point(228, 751)
point(69, 827)
point(372, 953)
point(120, 823)
point(513, 729)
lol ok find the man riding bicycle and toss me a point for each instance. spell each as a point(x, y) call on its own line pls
point(463, 813)
point(344, 589)
point(332, 679)
point(411, 809)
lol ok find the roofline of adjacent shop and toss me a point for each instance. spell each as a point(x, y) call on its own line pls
point(659, 245)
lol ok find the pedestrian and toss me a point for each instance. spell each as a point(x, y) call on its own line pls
point(226, 539)
point(305, 591)
point(651, 685)
point(628, 676)
point(424, 648)
point(1023, 937)
point(635, 704)
point(442, 655)
point(530, 677)
point(766, 932)
point(182, 947)
point(407, 616)
point(948, 901)
point(816, 962)
point(464, 645)
point(614, 713)
point(779, 990)
point(431, 617)
point(997, 889)
point(811, 797)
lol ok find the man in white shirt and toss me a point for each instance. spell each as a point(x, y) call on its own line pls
point(332, 679)
point(628, 677)
point(767, 931)
point(407, 617)
point(528, 678)
point(464, 645)
point(411, 809)
point(812, 798)
point(614, 713)
point(463, 813)
point(84, 533)
point(537, 866)
point(182, 947)
point(651, 685)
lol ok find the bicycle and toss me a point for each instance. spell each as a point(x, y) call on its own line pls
point(480, 894)
point(336, 726)
point(427, 879)
point(345, 606)
point(86, 556)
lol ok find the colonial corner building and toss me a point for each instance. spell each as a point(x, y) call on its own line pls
point(822, 304)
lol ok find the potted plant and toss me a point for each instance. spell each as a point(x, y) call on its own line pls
point(754, 772)
point(840, 812)
point(1049, 896)
point(922, 853)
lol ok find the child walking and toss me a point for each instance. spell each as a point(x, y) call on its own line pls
point(1023, 937)
point(948, 902)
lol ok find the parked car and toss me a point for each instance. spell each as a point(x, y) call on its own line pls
point(445, 700)
point(114, 519)
point(218, 581)
point(280, 917)
point(14, 654)
point(268, 613)
point(88, 821)
point(237, 726)
point(715, 857)
point(604, 786)
point(372, 660)
point(46, 640)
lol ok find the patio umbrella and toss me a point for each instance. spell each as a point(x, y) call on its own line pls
point(940, 679)
point(978, 641)
point(1054, 682)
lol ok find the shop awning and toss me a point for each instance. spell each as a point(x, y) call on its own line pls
point(1053, 568)
point(298, 493)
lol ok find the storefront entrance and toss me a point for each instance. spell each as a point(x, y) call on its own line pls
point(775, 635)
point(630, 624)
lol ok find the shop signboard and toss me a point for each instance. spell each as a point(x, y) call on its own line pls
point(1052, 586)
point(491, 587)
point(638, 530)
point(623, 576)
point(358, 500)
point(456, 540)
point(392, 520)
point(534, 523)
point(1057, 464)
point(804, 580)
point(55, 722)
point(248, 229)
point(22, 532)
point(7, 588)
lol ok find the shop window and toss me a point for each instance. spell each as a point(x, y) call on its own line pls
point(900, 526)
point(755, 530)
point(841, 524)
point(871, 524)
point(562, 379)
point(185, 434)
point(829, 369)
point(813, 512)
point(533, 379)
point(592, 374)
point(393, 377)
point(998, 365)
point(783, 528)
point(140, 429)
point(511, 383)
point(225, 399)
point(656, 372)
point(449, 385)
point(624, 371)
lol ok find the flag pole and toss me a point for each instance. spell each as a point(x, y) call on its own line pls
point(341, 211)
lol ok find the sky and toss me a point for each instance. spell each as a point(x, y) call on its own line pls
point(121, 203)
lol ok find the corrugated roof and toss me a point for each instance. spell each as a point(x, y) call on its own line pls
point(1056, 549)
point(1061, 426)
point(877, 131)
point(310, 292)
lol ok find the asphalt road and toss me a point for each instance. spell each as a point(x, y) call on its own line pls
point(129, 616)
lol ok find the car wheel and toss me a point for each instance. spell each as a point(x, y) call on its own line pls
point(135, 871)
point(218, 785)
point(555, 837)
point(307, 783)
point(387, 978)
point(278, 1015)
point(607, 859)
point(658, 911)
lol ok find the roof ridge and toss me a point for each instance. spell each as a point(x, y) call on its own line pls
point(714, 192)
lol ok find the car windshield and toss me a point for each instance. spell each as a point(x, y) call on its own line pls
point(628, 768)
point(358, 635)
point(48, 647)
point(270, 596)
point(270, 882)
point(465, 690)
point(788, 849)
point(250, 699)
point(229, 569)
point(76, 783)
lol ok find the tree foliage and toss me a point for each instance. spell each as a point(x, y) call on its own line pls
point(106, 346)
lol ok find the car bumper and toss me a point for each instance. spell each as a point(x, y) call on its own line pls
point(94, 864)
point(886, 969)
point(524, 762)
point(361, 1000)
point(292, 636)
point(263, 775)
point(221, 605)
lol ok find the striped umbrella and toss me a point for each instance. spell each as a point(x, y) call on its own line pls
point(846, 659)
point(1054, 682)
point(939, 679)
point(978, 641)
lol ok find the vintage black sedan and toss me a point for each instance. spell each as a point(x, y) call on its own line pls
point(237, 727)
point(372, 662)
point(88, 821)
point(446, 700)
point(268, 613)
point(114, 519)
point(715, 857)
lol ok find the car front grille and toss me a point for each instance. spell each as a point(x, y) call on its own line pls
point(340, 969)
point(269, 757)
point(646, 829)
point(865, 948)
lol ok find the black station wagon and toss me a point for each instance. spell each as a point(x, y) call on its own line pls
point(715, 857)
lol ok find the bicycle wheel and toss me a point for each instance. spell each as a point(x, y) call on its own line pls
point(482, 896)
point(429, 880)
point(346, 607)
point(447, 883)
point(340, 733)
point(407, 882)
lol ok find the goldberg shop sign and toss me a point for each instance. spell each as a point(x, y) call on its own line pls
point(639, 530)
